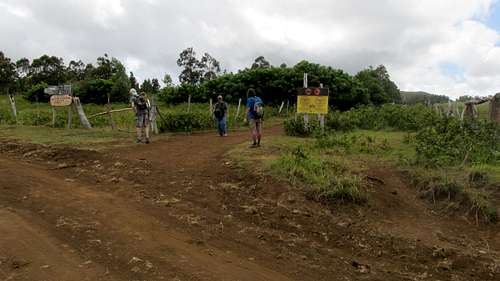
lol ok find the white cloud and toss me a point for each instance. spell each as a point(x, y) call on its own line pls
point(413, 38)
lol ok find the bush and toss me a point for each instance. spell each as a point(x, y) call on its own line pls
point(94, 91)
point(185, 122)
point(324, 180)
point(451, 142)
point(346, 188)
point(36, 93)
point(297, 127)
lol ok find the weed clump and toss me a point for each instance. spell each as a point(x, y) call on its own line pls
point(345, 188)
point(324, 180)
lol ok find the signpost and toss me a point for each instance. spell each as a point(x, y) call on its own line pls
point(61, 96)
point(312, 101)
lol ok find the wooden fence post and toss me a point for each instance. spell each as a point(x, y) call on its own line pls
point(154, 124)
point(238, 110)
point(12, 101)
point(83, 118)
point(111, 121)
point(495, 108)
point(53, 117)
point(306, 116)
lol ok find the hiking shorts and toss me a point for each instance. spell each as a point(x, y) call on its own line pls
point(141, 119)
point(256, 125)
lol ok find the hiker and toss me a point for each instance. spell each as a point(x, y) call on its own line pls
point(254, 115)
point(133, 96)
point(220, 114)
point(141, 107)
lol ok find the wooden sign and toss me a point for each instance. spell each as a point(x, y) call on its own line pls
point(312, 100)
point(61, 100)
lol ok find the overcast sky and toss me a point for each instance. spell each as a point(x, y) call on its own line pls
point(447, 47)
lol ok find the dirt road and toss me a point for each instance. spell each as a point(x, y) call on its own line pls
point(179, 210)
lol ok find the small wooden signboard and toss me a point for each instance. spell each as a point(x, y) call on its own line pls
point(61, 100)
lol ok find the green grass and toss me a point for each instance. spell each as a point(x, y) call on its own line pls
point(331, 168)
point(40, 114)
point(96, 138)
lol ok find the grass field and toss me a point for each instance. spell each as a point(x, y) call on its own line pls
point(334, 168)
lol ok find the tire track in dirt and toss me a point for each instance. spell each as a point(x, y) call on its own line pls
point(144, 236)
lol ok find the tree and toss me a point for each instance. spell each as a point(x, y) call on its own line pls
point(147, 86)
point(191, 74)
point(76, 71)
point(22, 69)
point(210, 67)
point(7, 73)
point(120, 80)
point(167, 80)
point(133, 81)
point(156, 85)
point(379, 85)
point(104, 69)
point(48, 69)
point(260, 62)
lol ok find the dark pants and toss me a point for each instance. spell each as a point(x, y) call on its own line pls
point(221, 125)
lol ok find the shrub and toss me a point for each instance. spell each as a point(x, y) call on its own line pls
point(36, 93)
point(451, 142)
point(297, 128)
point(347, 188)
point(185, 122)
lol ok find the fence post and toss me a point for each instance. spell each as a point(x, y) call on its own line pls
point(281, 107)
point(12, 101)
point(495, 108)
point(306, 116)
point(83, 118)
point(53, 117)
point(154, 124)
point(189, 104)
point(111, 121)
point(238, 110)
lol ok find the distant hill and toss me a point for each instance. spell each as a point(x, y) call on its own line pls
point(422, 97)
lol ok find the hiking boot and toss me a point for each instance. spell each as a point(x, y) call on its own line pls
point(225, 135)
point(147, 140)
point(138, 141)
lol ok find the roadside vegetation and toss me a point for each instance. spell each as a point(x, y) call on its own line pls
point(454, 164)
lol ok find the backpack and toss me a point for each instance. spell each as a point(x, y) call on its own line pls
point(141, 104)
point(258, 110)
point(219, 110)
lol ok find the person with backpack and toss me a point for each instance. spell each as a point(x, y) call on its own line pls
point(254, 115)
point(141, 107)
point(220, 114)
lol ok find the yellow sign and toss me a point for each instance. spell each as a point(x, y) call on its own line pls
point(61, 100)
point(312, 104)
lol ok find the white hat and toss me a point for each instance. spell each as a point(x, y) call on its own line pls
point(133, 92)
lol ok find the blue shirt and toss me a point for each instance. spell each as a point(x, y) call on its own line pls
point(250, 105)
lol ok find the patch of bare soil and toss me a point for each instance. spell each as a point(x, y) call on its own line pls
point(177, 209)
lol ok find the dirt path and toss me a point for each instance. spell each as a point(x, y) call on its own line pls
point(179, 210)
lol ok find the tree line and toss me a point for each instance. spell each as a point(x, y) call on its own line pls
point(201, 78)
